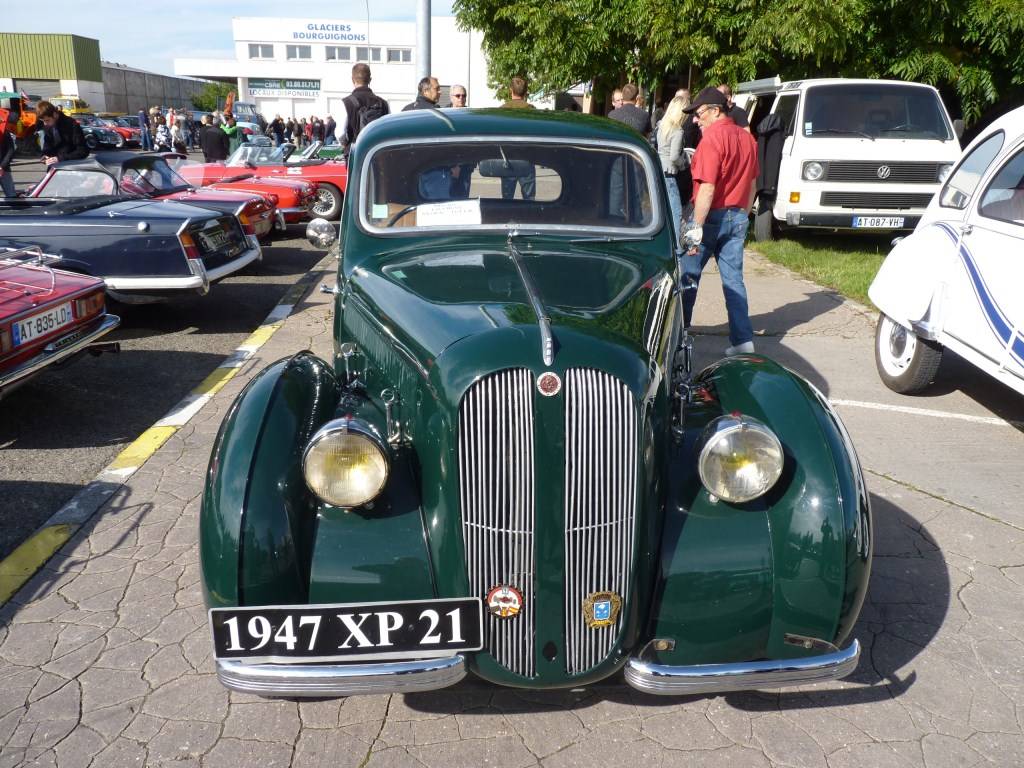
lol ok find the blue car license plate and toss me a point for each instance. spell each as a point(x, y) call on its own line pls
point(878, 222)
point(348, 632)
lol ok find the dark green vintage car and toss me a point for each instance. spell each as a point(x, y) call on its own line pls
point(508, 467)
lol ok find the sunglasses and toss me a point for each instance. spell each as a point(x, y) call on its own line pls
point(458, 95)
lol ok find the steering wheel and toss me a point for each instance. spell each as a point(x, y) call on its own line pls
point(394, 219)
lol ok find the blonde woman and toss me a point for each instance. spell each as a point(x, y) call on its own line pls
point(673, 159)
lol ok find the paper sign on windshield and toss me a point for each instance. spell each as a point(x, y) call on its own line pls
point(453, 212)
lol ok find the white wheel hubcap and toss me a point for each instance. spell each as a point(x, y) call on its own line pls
point(896, 347)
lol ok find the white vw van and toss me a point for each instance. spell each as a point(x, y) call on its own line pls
point(848, 154)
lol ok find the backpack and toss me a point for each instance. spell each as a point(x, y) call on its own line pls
point(365, 114)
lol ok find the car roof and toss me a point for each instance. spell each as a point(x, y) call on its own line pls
point(795, 85)
point(111, 162)
point(525, 123)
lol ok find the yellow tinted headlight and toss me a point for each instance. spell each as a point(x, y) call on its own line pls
point(345, 463)
point(741, 458)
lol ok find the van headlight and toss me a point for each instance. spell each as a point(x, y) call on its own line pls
point(813, 171)
point(741, 458)
point(944, 170)
point(346, 463)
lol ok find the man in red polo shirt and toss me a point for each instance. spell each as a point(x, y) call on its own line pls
point(724, 183)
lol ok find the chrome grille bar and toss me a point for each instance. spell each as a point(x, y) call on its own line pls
point(496, 484)
point(600, 505)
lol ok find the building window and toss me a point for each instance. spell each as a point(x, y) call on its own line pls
point(399, 55)
point(367, 54)
point(299, 52)
point(261, 51)
point(339, 53)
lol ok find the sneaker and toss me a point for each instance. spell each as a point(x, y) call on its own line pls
point(746, 348)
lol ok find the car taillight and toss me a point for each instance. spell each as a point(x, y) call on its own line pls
point(5, 340)
point(247, 226)
point(189, 246)
point(89, 305)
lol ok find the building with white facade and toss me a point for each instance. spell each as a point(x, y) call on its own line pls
point(297, 67)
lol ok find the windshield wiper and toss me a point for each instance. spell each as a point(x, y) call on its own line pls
point(847, 132)
point(547, 339)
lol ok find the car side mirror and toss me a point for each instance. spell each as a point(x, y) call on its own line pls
point(958, 128)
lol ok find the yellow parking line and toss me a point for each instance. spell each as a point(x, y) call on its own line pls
point(145, 445)
point(19, 566)
point(259, 337)
point(213, 383)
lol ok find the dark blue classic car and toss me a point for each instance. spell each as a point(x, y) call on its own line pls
point(145, 250)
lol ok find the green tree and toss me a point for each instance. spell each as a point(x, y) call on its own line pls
point(212, 96)
point(972, 47)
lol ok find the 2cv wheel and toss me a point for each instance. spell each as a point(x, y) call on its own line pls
point(906, 363)
point(328, 202)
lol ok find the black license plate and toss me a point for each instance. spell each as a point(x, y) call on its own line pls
point(348, 632)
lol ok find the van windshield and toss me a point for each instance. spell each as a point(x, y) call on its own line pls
point(875, 111)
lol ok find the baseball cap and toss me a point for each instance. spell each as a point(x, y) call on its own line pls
point(709, 96)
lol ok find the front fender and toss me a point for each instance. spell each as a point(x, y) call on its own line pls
point(735, 579)
point(911, 278)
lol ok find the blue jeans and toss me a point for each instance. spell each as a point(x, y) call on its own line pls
point(675, 206)
point(145, 139)
point(724, 234)
point(7, 183)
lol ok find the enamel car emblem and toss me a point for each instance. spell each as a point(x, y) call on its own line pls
point(548, 384)
point(601, 609)
point(504, 601)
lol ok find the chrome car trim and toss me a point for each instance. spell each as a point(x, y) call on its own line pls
point(668, 680)
point(341, 679)
point(600, 506)
point(496, 490)
point(183, 283)
point(296, 209)
point(54, 352)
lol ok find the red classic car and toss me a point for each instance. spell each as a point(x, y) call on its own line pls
point(261, 160)
point(46, 315)
point(132, 136)
point(295, 198)
point(149, 175)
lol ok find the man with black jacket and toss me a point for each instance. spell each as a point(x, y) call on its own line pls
point(428, 91)
point(213, 141)
point(63, 138)
point(362, 106)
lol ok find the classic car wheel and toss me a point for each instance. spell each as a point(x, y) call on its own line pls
point(906, 363)
point(90, 141)
point(328, 201)
point(120, 141)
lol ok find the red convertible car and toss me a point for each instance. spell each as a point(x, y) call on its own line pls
point(295, 198)
point(149, 175)
point(46, 315)
point(132, 136)
point(331, 176)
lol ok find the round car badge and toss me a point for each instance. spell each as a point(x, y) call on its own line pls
point(504, 601)
point(601, 609)
point(548, 384)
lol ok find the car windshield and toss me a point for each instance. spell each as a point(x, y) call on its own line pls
point(508, 183)
point(71, 183)
point(875, 111)
point(154, 177)
point(258, 154)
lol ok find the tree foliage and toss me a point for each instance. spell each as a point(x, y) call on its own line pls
point(212, 96)
point(970, 47)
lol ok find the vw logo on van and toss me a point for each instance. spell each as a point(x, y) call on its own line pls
point(883, 171)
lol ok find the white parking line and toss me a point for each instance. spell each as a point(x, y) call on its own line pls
point(991, 421)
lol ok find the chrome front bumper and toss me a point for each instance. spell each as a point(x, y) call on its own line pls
point(341, 679)
point(666, 680)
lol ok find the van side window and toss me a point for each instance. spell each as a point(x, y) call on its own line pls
point(960, 186)
point(786, 110)
point(1004, 197)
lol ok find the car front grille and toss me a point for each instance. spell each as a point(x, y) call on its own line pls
point(898, 172)
point(600, 505)
point(497, 468)
point(879, 200)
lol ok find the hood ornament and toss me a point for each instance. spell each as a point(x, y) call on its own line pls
point(547, 339)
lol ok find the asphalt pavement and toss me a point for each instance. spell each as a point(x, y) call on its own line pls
point(105, 655)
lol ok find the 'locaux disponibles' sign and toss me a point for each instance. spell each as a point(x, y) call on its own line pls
point(262, 86)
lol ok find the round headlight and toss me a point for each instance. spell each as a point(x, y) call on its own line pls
point(944, 170)
point(741, 458)
point(320, 233)
point(813, 171)
point(345, 463)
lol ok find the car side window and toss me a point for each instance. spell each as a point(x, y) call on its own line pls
point(1003, 199)
point(68, 183)
point(959, 188)
point(786, 110)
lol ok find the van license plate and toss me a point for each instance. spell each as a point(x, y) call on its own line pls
point(877, 222)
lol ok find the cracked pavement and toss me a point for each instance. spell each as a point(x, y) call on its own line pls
point(105, 656)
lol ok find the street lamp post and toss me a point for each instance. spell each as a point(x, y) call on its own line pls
point(422, 39)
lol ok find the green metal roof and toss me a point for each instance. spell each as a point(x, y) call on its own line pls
point(50, 57)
